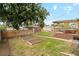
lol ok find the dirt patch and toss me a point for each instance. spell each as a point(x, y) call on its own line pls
point(4, 48)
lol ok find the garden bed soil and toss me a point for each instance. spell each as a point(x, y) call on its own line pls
point(32, 40)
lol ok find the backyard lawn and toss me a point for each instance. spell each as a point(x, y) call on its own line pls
point(43, 33)
point(47, 46)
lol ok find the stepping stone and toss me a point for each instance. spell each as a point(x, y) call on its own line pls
point(33, 41)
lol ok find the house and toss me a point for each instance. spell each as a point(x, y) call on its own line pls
point(47, 28)
point(66, 28)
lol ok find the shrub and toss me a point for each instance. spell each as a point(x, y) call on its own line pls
point(3, 27)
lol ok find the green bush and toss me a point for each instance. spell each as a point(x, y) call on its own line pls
point(3, 27)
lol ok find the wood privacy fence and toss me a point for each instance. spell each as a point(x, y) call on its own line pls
point(15, 33)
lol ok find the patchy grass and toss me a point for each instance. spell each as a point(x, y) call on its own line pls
point(44, 33)
point(47, 47)
point(17, 46)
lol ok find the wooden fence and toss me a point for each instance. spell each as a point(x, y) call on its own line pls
point(15, 33)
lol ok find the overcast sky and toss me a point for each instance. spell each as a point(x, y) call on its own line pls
point(61, 11)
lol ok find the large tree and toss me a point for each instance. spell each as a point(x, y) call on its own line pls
point(18, 14)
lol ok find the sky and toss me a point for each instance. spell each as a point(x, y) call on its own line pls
point(61, 11)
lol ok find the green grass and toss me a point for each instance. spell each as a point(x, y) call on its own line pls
point(52, 47)
point(47, 47)
point(45, 33)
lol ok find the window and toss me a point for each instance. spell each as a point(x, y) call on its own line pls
point(73, 25)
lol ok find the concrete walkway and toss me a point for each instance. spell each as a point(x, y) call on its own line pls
point(4, 48)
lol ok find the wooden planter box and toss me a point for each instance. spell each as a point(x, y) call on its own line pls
point(70, 31)
point(63, 35)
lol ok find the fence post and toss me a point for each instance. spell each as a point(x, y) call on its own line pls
point(0, 35)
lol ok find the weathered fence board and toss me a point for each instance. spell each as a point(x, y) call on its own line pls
point(15, 33)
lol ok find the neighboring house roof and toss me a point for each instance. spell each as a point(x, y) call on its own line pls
point(66, 21)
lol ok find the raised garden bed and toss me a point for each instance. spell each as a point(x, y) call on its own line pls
point(63, 35)
point(33, 41)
